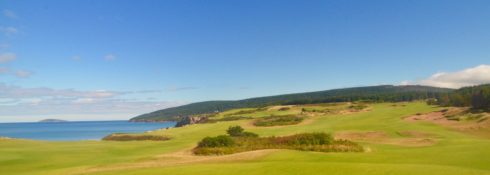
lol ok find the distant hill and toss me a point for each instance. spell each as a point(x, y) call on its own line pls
point(52, 120)
point(382, 93)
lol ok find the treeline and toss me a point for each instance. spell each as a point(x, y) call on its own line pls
point(476, 97)
point(385, 93)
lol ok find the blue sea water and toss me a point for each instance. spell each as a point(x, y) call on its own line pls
point(67, 131)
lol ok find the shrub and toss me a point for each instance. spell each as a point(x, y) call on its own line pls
point(237, 131)
point(218, 141)
point(278, 120)
point(306, 139)
point(358, 107)
point(227, 118)
point(283, 109)
point(321, 142)
point(128, 137)
point(249, 134)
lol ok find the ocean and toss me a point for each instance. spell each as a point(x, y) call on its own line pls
point(71, 131)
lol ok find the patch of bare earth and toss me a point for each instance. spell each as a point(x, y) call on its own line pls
point(412, 140)
point(477, 127)
point(352, 111)
point(5, 138)
point(275, 108)
point(177, 158)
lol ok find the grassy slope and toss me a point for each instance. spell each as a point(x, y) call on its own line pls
point(455, 153)
point(379, 93)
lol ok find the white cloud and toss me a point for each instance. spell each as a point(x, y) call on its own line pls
point(8, 30)
point(17, 102)
point(4, 46)
point(110, 57)
point(8, 91)
point(7, 57)
point(102, 94)
point(23, 74)
point(467, 77)
point(84, 101)
point(34, 101)
point(174, 88)
point(4, 70)
point(9, 14)
point(76, 58)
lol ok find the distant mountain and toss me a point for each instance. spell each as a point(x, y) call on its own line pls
point(382, 93)
point(52, 120)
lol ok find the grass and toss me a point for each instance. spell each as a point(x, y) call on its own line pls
point(454, 153)
point(278, 120)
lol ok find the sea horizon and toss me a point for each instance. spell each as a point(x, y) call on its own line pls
point(76, 130)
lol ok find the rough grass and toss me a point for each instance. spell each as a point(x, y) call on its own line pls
point(135, 137)
point(278, 120)
point(230, 118)
point(455, 153)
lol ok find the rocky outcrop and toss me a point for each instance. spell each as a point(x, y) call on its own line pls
point(189, 120)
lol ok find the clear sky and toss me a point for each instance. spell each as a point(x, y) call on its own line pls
point(113, 59)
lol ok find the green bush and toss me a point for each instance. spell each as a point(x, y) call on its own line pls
point(358, 107)
point(305, 139)
point(249, 134)
point(129, 137)
point(228, 118)
point(320, 142)
point(218, 141)
point(274, 120)
point(284, 109)
point(235, 131)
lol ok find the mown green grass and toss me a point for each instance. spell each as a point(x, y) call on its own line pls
point(454, 153)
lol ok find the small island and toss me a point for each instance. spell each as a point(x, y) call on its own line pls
point(52, 121)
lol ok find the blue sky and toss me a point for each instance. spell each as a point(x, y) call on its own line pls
point(114, 59)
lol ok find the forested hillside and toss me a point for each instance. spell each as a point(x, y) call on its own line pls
point(477, 97)
point(384, 93)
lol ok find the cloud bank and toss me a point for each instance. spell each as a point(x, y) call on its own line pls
point(9, 14)
point(467, 77)
point(31, 103)
point(110, 57)
point(8, 30)
point(7, 57)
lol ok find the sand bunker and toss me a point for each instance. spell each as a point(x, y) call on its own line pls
point(410, 138)
point(479, 127)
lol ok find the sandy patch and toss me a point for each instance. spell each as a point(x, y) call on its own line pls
point(5, 138)
point(412, 138)
point(439, 118)
point(352, 111)
point(435, 117)
point(362, 136)
point(416, 134)
point(275, 108)
point(178, 158)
